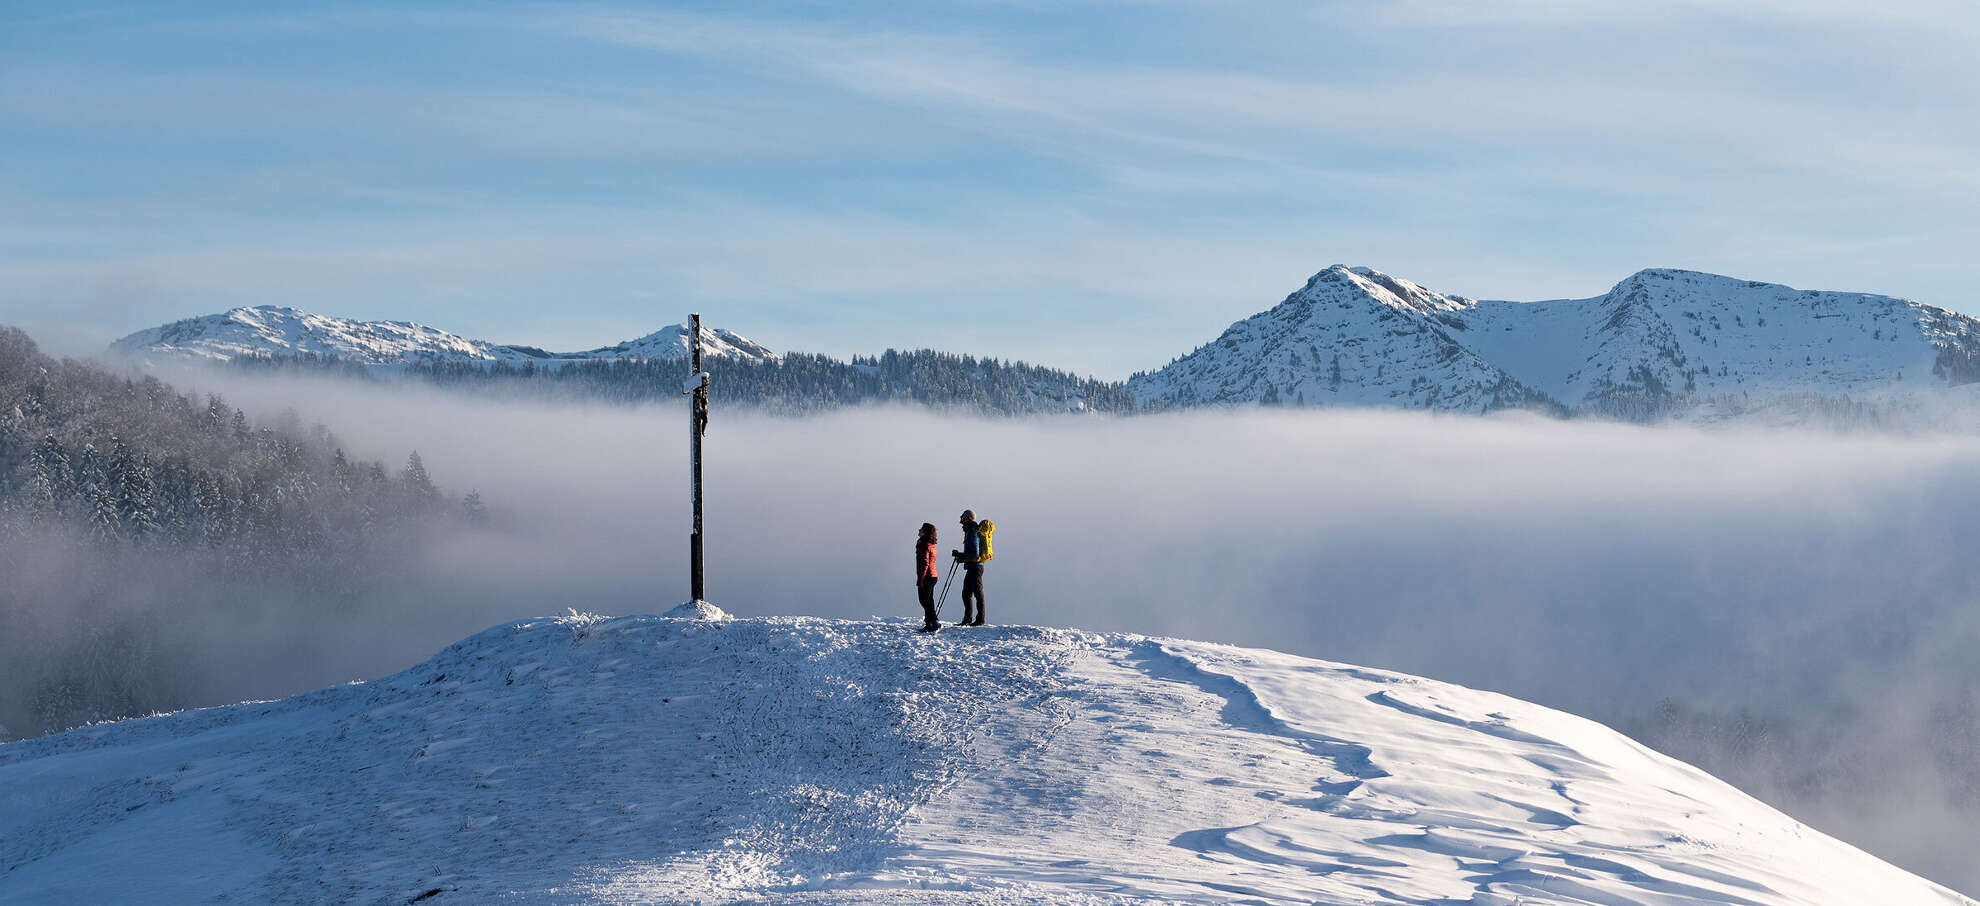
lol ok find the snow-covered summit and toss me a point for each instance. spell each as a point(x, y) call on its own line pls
point(697, 610)
point(1660, 340)
point(1350, 336)
point(672, 343)
point(661, 760)
point(280, 330)
point(1393, 291)
point(275, 330)
point(1664, 331)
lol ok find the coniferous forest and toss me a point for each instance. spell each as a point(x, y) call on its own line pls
point(797, 383)
point(132, 512)
point(149, 531)
point(800, 383)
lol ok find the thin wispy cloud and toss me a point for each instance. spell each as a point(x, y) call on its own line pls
point(1933, 16)
point(1662, 105)
point(1176, 166)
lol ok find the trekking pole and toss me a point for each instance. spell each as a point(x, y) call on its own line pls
point(945, 586)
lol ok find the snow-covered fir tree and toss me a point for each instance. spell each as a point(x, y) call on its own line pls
point(109, 479)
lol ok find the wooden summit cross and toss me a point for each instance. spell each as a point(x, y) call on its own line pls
point(696, 388)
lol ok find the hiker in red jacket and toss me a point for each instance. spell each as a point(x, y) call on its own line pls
point(924, 576)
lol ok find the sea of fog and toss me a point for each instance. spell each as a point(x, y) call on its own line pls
point(1794, 610)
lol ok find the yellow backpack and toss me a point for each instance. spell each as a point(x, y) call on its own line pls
point(983, 530)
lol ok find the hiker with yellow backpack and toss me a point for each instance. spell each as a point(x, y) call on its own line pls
point(975, 553)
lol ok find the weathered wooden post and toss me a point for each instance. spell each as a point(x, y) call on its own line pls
point(696, 388)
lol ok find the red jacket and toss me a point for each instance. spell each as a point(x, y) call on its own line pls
point(924, 555)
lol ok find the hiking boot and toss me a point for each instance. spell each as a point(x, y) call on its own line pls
point(977, 622)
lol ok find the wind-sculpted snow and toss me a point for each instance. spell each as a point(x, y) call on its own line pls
point(673, 760)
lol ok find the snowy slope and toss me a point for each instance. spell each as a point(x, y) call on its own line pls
point(673, 760)
point(1659, 341)
point(1704, 334)
point(1349, 336)
point(672, 343)
point(276, 330)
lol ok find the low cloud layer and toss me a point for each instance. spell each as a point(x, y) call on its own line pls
point(1795, 610)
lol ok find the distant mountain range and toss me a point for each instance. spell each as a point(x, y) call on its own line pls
point(1659, 340)
point(1661, 343)
point(271, 337)
point(274, 330)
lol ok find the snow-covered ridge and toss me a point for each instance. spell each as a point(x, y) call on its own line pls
point(1660, 340)
point(280, 331)
point(672, 760)
point(666, 343)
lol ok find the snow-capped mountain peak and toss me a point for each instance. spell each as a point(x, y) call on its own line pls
point(1395, 291)
point(672, 343)
point(277, 330)
point(805, 761)
point(1660, 340)
point(1351, 335)
point(282, 330)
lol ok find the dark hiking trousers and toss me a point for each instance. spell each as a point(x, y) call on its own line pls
point(972, 591)
point(927, 589)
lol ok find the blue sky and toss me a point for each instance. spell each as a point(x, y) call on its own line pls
point(1097, 186)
